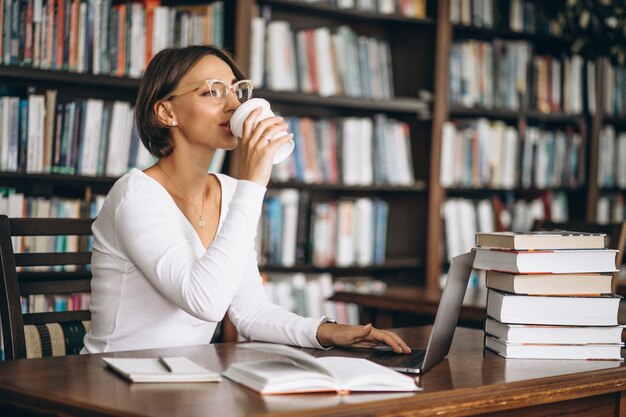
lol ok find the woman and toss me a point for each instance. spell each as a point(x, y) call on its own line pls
point(174, 246)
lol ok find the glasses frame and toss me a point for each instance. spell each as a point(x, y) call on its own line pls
point(209, 82)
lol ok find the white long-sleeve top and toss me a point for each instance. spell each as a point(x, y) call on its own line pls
point(155, 285)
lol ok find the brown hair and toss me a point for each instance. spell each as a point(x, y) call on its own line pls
point(161, 78)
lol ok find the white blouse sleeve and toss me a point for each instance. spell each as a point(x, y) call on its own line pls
point(150, 235)
point(257, 318)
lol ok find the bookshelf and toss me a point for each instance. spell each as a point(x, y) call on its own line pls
point(420, 50)
point(21, 76)
point(406, 242)
point(607, 156)
point(520, 113)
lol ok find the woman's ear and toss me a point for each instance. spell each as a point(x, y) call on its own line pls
point(165, 114)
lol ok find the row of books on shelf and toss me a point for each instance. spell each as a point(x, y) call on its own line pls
point(88, 137)
point(612, 158)
point(550, 296)
point(352, 151)
point(101, 36)
point(294, 230)
point(407, 8)
point(308, 294)
point(464, 217)
point(325, 61)
point(614, 87)
point(15, 204)
point(482, 153)
point(508, 75)
point(610, 208)
point(42, 303)
point(515, 15)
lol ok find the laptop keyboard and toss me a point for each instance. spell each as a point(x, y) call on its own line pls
point(413, 360)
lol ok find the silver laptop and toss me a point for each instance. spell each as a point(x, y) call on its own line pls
point(420, 360)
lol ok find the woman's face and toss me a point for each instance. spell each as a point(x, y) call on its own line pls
point(200, 119)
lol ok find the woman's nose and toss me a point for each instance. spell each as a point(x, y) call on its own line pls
point(231, 103)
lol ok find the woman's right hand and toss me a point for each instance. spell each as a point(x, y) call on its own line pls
point(257, 153)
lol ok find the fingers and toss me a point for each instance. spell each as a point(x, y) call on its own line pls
point(390, 339)
point(275, 144)
point(250, 122)
point(266, 128)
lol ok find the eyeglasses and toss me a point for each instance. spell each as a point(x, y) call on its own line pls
point(218, 90)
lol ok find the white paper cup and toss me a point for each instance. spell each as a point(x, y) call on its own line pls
point(240, 116)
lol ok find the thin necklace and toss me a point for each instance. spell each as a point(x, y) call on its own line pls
point(201, 221)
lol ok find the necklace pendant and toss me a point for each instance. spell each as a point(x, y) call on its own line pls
point(201, 222)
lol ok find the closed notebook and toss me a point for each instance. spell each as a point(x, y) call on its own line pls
point(293, 371)
point(153, 370)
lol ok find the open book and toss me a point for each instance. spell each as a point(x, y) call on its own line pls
point(174, 369)
point(293, 371)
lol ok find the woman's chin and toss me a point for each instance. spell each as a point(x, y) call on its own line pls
point(232, 144)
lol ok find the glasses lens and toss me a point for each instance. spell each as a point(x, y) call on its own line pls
point(218, 90)
point(243, 91)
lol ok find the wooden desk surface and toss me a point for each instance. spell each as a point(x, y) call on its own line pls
point(468, 382)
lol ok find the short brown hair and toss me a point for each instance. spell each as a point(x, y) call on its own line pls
point(161, 78)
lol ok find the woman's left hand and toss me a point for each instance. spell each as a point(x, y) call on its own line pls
point(333, 334)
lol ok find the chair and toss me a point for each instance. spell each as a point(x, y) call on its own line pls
point(51, 272)
point(615, 236)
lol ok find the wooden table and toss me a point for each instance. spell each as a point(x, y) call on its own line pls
point(468, 382)
point(410, 306)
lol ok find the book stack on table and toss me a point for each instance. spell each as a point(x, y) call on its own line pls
point(549, 295)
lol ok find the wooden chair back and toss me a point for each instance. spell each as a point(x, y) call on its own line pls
point(54, 271)
point(615, 235)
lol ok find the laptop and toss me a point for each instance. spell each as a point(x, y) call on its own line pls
point(420, 360)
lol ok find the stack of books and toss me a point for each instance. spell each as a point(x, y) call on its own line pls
point(549, 295)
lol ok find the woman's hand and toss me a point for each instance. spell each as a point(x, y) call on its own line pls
point(257, 152)
point(333, 334)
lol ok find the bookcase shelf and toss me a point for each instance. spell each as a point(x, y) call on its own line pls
point(611, 189)
point(27, 74)
point(465, 31)
point(389, 266)
point(419, 187)
point(475, 192)
point(397, 106)
point(514, 115)
point(617, 121)
point(57, 179)
point(350, 15)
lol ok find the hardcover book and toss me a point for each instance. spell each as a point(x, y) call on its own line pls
point(546, 261)
point(541, 240)
point(521, 333)
point(545, 351)
point(570, 311)
point(550, 284)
